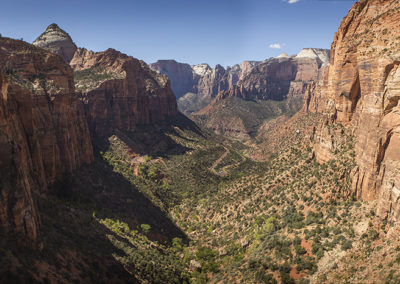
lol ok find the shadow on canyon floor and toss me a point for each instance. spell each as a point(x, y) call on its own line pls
point(155, 140)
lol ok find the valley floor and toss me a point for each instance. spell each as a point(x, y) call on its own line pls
point(181, 205)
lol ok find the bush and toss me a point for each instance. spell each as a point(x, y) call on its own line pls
point(346, 244)
point(145, 228)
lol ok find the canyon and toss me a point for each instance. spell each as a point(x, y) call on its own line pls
point(272, 88)
point(195, 86)
point(283, 171)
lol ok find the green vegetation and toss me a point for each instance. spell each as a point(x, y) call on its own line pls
point(91, 78)
point(250, 114)
point(150, 209)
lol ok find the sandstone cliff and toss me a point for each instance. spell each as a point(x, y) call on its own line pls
point(120, 92)
point(57, 41)
point(43, 131)
point(265, 90)
point(195, 86)
point(361, 91)
point(180, 75)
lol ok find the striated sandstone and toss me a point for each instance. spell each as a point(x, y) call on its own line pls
point(56, 41)
point(200, 80)
point(266, 90)
point(120, 92)
point(361, 91)
point(43, 131)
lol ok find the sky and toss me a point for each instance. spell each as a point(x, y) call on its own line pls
point(223, 32)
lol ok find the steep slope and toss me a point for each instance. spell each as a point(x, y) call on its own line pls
point(361, 92)
point(120, 92)
point(43, 131)
point(195, 86)
point(57, 41)
point(272, 88)
point(180, 75)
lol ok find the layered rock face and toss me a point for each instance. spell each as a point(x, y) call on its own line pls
point(180, 75)
point(278, 78)
point(195, 86)
point(57, 41)
point(43, 131)
point(120, 92)
point(361, 90)
point(277, 84)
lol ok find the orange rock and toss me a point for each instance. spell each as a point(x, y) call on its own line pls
point(129, 94)
point(43, 131)
point(361, 90)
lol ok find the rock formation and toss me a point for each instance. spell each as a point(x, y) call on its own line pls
point(180, 75)
point(57, 41)
point(361, 91)
point(195, 86)
point(43, 131)
point(283, 81)
point(120, 92)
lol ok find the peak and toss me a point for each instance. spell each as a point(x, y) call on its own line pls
point(283, 55)
point(53, 27)
point(201, 69)
point(314, 53)
point(57, 41)
point(166, 61)
point(219, 67)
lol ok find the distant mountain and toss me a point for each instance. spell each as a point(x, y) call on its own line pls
point(269, 89)
point(195, 86)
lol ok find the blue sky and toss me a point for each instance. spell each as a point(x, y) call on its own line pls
point(202, 31)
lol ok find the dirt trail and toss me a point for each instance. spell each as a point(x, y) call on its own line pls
point(215, 164)
point(223, 172)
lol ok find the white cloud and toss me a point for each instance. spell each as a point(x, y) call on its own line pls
point(276, 45)
point(292, 1)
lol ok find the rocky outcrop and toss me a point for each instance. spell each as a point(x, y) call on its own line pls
point(280, 77)
point(195, 86)
point(265, 90)
point(120, 92)
point(314, 53)
point(361, 91)
point(43, 131)
point(57, 41)
point(180, 75)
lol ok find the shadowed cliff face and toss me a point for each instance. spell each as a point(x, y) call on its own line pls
point(361, 91)
point(43, 131)
point(120, 92)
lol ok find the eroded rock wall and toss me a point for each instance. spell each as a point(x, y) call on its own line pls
point(123, 91)
point(361, 90)
point(43, 131)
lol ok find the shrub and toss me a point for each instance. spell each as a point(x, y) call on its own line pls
point(145, 228)
point(346, 244)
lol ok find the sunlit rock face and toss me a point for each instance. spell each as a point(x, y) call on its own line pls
point(361, 90)
point(57, 41)
point(120, 92)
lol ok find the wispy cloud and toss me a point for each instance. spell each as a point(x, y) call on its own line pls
point(276, 45)
point(292, 1)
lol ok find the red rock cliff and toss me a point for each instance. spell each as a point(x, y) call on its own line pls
point(120, 92)
point(362, 90)
point(43, 131)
